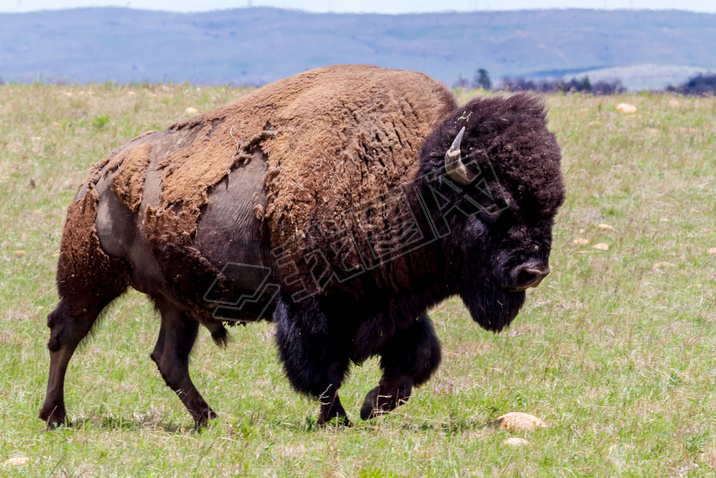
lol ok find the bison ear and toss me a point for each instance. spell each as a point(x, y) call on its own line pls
point(454, 166)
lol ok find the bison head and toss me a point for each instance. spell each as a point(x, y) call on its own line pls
point(500, 172)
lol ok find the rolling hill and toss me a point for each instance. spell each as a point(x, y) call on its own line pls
point(258, 45)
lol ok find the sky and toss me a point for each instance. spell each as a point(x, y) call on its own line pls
point(361, 6)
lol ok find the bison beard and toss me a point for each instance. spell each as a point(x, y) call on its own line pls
point(493, 308)
point(316, 185)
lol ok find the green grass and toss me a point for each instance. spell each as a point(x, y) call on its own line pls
point(616, 350)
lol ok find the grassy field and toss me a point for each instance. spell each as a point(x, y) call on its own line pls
point(616, 350)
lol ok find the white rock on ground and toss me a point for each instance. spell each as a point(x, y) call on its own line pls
point(626, 108)
point(518, 422)
point(19, 461)
point(514, 441)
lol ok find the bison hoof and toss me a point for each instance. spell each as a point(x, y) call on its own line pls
point(201, 420)
point(377, 403)
point(54, 417)
point(370, 405)
point(338, 421)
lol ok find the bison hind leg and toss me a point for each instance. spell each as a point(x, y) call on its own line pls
point(408, 359)
point(177, 335)
point(69, 323)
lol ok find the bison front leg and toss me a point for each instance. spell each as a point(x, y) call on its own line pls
point(408, 359)
point(315, 359)
point(331, 406)
point(171, 354)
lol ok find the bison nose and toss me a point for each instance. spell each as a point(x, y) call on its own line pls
point(528, 275)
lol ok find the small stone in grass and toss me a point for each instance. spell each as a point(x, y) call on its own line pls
point(580, 241)
point(514, 441)
point(601, 246)
point(518, 422)
point(191, 111)
point(664, 219)
point(626, 108)
point(712, 250)
point(606, 226)
point(19, 254)
point(661, 265)
point(18, 461)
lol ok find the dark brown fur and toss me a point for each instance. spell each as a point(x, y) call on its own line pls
point(511, 133)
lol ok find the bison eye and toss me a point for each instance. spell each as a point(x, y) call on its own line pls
point(491, 208)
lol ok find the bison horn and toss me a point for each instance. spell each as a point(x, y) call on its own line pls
point(454, 166)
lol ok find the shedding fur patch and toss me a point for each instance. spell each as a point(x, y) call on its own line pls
point(335, 137)
point(128, 183)
point(82, 261)
point(348, 139)
point(112, 160)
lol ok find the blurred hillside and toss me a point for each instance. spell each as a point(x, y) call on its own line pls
point(258, 45)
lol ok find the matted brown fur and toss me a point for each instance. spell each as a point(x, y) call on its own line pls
point(128, 183)
point(82, 261)
point(335, 137)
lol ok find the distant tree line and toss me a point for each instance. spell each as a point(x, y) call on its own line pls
point(698, 85)
point(575, 85)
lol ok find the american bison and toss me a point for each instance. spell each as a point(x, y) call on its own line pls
point(340, 203)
